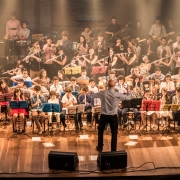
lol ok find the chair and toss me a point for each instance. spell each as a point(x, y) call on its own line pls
point(95, 111)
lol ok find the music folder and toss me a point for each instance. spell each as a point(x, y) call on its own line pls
point(150, 105)
point(174, 107)
point(99, 69)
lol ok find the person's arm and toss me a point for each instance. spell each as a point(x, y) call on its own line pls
point(14, 78)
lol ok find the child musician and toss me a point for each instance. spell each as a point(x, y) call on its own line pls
point(54, 100)
point(18, 96)
point(152, 114)
point(36, 107)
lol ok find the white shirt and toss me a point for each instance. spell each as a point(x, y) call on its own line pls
point(94, 89)
point(66, 100)
point(169, 86)
point(21, 77)
point(58, 89)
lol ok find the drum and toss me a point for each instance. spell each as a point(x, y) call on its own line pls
point(74, 46)
point(21, 43)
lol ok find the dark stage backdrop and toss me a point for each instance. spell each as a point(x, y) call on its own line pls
point(47, 16)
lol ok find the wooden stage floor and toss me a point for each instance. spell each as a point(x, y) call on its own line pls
point(21, 156)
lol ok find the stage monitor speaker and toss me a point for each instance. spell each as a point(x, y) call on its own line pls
point(2, 49)
point(63, 160)
point(112, 160)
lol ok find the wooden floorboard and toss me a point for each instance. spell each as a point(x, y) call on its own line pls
point(22, 157)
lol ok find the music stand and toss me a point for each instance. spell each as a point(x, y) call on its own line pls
point(26, 83)
point(51, 107)
point(133, 103)
point(5, 98)
point(73, 70)
point(18, 105)
point(150, 105)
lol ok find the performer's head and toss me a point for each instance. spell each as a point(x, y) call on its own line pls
point(52, 94)
point(37, 90)
point(111, 84)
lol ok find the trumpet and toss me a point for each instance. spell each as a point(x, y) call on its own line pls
point(59, 42)
point(9, 71)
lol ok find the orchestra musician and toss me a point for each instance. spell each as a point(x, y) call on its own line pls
point(18, 112)
point(35, 59)
point(49, 51)
point(164, 115)
point(177, 60)
point(157, 30)
point(4, 89)
point(157, 74)
point(121, 85)
point(69, 100)
point(152, 114)
point(53, 100)
point(167, 83)
point(56, 86)
point(73, 84)
point(36, 108)
point(62, 76)
point(83, 74)
point(85, 98)
point(23, 76)
point(87, 33)
point(82, 46)
point(92, 86)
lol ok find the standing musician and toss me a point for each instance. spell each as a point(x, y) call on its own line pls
point(112, 29)
point(157, 30)
point(137, 31)
point(109, 106)
point(49, 51)
point(118, 46)
point(36, 108)
point(35, 60)
point(13, 27)
point(66, 44)
point(100, 46)
point(24, 36)
point(18, 96)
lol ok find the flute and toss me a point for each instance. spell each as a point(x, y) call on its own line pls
point(11, 70)
point(30, 55)
point(160, 59)
point(51, 59)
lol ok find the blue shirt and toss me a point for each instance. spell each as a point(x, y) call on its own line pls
point(110, 100)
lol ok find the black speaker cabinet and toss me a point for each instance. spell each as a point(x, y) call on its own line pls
point(63, 160)
point(112, 160)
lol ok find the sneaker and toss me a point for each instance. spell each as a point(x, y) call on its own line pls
point(98, 149)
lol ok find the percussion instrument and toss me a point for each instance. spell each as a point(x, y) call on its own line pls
point(22, 43)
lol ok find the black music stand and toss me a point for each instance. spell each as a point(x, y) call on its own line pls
point(51, 107)
point(4, 98)
point(129, 104)
point(150, 105)
point(18, 105)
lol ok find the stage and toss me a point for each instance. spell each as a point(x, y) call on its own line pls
point(149, 154)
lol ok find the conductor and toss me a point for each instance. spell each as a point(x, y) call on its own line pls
point(110, 99)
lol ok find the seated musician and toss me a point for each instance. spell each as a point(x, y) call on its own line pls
point(62, 76)
point(18, 96)
point(135, 72)
point(83, 74)
point(23, 76)
point(68, 100)
point(20, 85)
point(4, 89)
point(53, 100)
point(73, 84)
point(36, 108)
point(164, 115)
point(121, 84)
point(92, 86)
point(157, 74)
point(85, 98)
point(176, 100)
point(167, 83)
point(176, 78)
point(56, 86)
point(112, 75)
point(137, 87)
point(152, 114)
point(42, 79)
